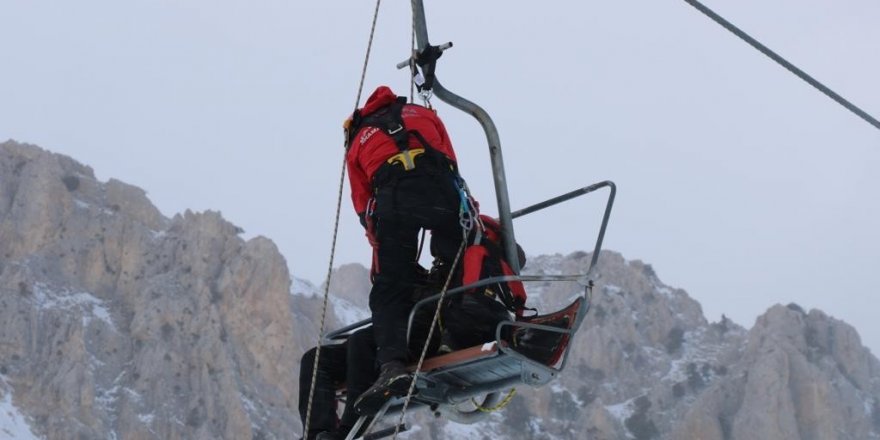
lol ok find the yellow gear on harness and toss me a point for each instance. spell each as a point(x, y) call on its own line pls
point(406, 158)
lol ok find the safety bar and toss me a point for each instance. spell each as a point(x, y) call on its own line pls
point(577, 193)
point(342, 333)
point(581, 279)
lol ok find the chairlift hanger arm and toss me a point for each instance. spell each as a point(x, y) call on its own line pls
point(492, 137)
point(406, 62)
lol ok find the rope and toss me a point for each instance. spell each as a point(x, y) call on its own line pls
point(412, 66)
point(421, 246)
point(335, 235)
point(367, 56)
point(504, 402)
point(464, 212)
point(467, 210)
point(784, 63)
point(412, 60)
point(324, 306)
point(412, 384)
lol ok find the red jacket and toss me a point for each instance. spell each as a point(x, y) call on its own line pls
point(371, 147)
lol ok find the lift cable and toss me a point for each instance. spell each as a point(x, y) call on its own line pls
point(784, 63)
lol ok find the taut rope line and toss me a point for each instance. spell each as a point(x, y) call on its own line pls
point(336, 233)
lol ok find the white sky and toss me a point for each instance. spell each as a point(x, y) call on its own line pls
point(737, 181)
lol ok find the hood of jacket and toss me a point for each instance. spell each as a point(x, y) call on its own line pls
point(381, 97)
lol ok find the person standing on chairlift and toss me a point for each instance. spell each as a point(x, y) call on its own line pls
point(404, 178)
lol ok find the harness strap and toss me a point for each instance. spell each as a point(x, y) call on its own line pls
point(390, 121)
point(387, 119)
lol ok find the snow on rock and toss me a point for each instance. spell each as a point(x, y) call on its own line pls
point(299, 286)
point(347, 312)
point(620, 411)
point(13, 424)
point(79, 303)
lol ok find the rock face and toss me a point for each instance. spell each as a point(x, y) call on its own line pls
point(117, 322)
point(802, 375)
point(648, 365)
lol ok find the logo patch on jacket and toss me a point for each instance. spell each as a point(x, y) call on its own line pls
point(368, 134)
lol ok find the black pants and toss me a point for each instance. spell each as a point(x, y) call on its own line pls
point(403, 208)
point(351, 363)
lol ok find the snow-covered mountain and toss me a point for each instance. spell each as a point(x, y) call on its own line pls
point(117, 322)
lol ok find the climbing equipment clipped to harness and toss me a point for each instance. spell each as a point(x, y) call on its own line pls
point(468, 210)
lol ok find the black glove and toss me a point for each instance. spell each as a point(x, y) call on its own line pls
point(363, 218)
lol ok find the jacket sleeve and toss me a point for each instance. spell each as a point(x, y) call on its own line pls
point(358, 180)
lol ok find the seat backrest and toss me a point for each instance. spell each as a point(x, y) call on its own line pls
point(543, 345)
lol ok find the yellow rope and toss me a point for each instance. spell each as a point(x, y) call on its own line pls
point(504, 402)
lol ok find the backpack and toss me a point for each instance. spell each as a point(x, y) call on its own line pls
point(472, 317)
point(484, 258)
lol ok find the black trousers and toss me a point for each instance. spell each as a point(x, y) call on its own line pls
point(351, 363)
point(403, 208)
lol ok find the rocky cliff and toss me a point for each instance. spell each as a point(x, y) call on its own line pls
point(648, 365)
point(117, 322)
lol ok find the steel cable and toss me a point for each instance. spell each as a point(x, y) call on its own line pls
point(784, 63)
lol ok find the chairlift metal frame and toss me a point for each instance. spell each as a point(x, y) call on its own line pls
point(443, 388)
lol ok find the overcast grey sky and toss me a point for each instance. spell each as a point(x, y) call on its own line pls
point(737, 181)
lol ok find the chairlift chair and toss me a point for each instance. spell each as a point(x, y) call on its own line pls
point(448, 380)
